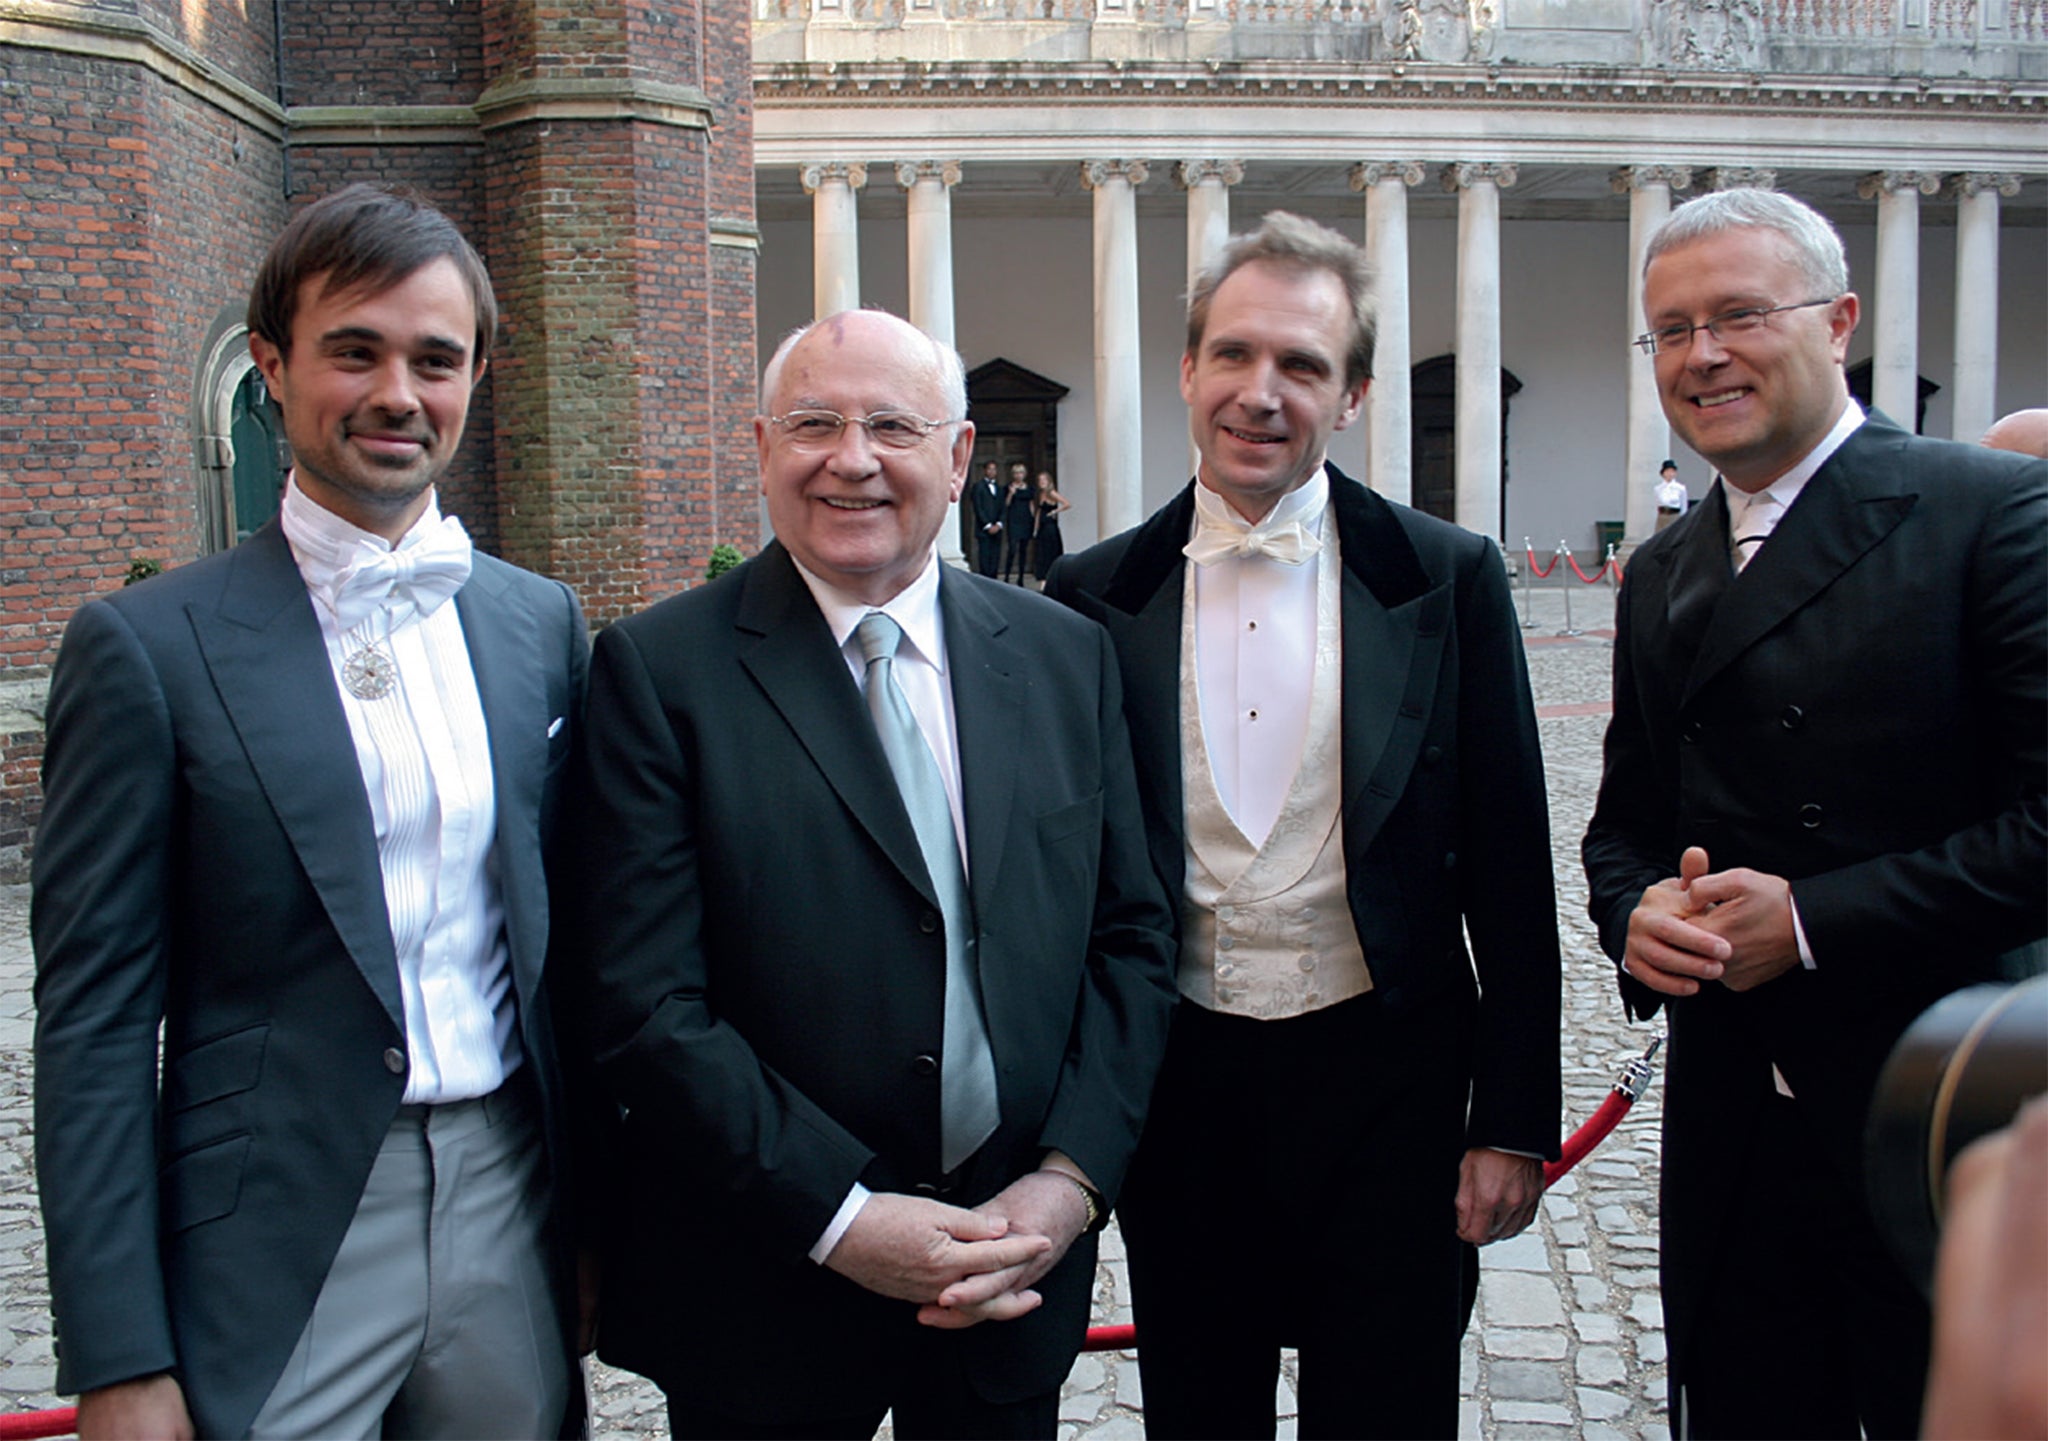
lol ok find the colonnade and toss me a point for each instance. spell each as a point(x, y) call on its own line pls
point(1893, 297)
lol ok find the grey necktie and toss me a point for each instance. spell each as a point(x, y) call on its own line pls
point(1749, 522)
point(967, 1072)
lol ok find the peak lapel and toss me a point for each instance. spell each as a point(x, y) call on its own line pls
point(507, 656)
point(785, 645)
point(269, 665)
point(1837, 518)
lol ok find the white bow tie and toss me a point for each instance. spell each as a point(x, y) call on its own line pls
point(1290, 544)
point(418, 577)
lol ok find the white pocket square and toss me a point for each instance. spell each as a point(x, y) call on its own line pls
point(555, 726)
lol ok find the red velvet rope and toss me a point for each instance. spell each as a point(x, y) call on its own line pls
point(1540, 572)
point(26, 1425)
point(1588, 579)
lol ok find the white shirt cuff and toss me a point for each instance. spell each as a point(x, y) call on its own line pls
point(841, 1219)
point(1799, 934)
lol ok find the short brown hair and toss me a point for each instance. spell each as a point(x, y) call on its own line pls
point(364, 235)
point(1290, 242)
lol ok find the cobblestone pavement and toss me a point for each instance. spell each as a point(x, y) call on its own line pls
point(1568, 1337)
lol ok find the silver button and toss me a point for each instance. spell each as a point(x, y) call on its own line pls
point(394, 1061)
point(1226, 913)
point(1225, 943)
point(1226, 969)
point(1308, 963)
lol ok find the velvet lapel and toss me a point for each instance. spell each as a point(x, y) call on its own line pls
point(1394, 628)
point(1142, 612)
point(508, 657)
point(786, 647)
point(1852, 503)
point(986, 674)
point(269, 665)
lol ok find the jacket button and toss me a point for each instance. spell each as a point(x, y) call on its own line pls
point(928, 922)
point(394, 1061)
point(1792, 718)
point(1431, 755)
point(1693, 731)
point(1809, 816)
point(925, 1066)
point(1450, 860)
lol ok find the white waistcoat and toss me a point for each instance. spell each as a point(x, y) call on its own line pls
point(1266, 931)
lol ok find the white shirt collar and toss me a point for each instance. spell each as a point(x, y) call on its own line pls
point(1785, 489)
point(915, 608)
point(1305, 503)
point(324, 544)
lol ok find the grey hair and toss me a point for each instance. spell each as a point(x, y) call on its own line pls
point(945, 359)
point(1812, 243)
point(1290, 242)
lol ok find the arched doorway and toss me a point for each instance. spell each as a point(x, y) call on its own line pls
point(1016, 415)
point(238, 438)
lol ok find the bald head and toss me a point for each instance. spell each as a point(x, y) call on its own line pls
point(2024, 431)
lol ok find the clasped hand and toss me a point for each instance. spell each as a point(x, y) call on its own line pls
point(1734, 927)
point(963, 1267)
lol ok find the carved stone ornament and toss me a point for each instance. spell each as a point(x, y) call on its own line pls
point(1706, 34)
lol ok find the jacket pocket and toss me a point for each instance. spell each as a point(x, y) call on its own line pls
point(1082, 817)
point(203, 1184)
point(224, 1066)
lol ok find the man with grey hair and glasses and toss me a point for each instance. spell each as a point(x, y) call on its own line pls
point(1340, 767)
point(1822, 808)
point(882, 1007)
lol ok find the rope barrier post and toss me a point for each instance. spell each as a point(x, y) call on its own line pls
point(1528, 580)
point(1613, 569)
point(1564, 583)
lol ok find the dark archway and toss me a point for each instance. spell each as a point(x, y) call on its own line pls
point(1016, 418)
point(1433, 436)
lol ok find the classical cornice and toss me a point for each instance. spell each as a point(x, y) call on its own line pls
point(130, 40)
point(800, 84)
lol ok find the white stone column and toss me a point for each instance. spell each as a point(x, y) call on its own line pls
point(1389, 408)
point(1975, 397)
point(1895, 338)
point(928, 228)
point(928, 231)
point(1648, 188)
point(1207, 183)
point(835, 235)
point(1119, 448)
point(1478, 186)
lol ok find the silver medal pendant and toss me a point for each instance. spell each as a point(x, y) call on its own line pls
point(369, 673)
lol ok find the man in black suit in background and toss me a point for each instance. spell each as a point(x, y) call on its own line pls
point(985, 499)
point(883, 1010)
point(1338, 752)
point(296, 800)
point(1823, 808)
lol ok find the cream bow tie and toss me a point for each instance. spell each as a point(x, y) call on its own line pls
point(419, 577)
point(1290, 544)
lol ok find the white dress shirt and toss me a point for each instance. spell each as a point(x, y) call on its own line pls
point(1255, 641)
point(425, 756)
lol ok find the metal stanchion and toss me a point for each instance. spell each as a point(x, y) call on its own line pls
point(1564, 581)
point(1528, 580)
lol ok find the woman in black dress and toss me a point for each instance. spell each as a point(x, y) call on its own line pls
point(1049, 503)
point(1020, 516)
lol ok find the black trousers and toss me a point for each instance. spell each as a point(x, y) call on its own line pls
point(1296, 1186)
point(929, 1394)
point(1807, 1326)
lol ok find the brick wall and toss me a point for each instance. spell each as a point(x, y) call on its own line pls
point(610, 444)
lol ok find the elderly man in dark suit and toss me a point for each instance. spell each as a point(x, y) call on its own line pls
point(1823, 808)
point(295, 808)
point(1337, 748)
point(882, 1009)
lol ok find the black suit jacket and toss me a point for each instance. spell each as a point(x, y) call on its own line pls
point(1446, 833)
point(1862, 712)
point(763, 966)
point(986, 499)
point(206, 861)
